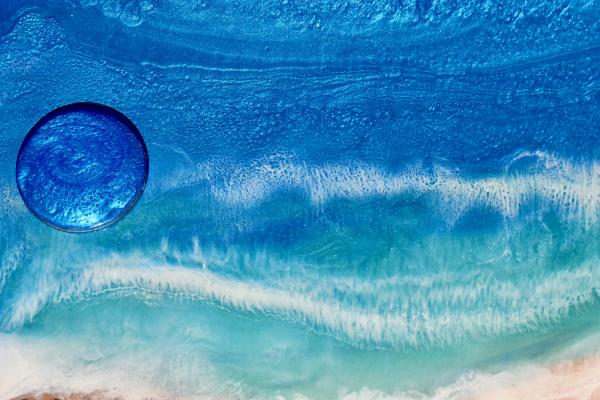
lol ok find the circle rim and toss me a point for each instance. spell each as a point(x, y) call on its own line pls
point(93, 106)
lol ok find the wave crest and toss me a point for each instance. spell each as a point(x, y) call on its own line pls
point(441, 309)
point(530, 180)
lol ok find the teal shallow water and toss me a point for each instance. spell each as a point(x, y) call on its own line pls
point(401, 289)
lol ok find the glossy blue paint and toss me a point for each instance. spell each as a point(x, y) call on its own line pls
point(82, 167)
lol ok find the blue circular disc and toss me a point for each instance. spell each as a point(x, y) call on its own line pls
point(82, 167)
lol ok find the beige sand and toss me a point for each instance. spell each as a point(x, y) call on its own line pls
point(573, 380)
point(72, 396)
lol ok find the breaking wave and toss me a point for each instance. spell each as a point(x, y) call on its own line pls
point(439, 309)
point(530, 179)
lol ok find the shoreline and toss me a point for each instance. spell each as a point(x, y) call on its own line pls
point(577, 379)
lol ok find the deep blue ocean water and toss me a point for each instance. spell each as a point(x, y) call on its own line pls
point(346, 199)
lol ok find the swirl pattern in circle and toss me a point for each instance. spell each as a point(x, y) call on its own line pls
point(82, 167)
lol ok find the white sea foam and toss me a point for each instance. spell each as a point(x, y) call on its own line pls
point(416, 312)
point(64, 365)
point(571, 189)
point(570, 378)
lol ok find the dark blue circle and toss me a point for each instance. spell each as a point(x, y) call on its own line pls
point(82, 167)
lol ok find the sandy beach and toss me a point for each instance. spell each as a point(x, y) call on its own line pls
point(73, 396)
point(569, 380)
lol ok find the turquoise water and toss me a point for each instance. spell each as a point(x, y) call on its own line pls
point(357, 279)
point(346, 200)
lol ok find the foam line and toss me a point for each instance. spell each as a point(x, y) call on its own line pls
point(430, 314)
point(571, 189)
